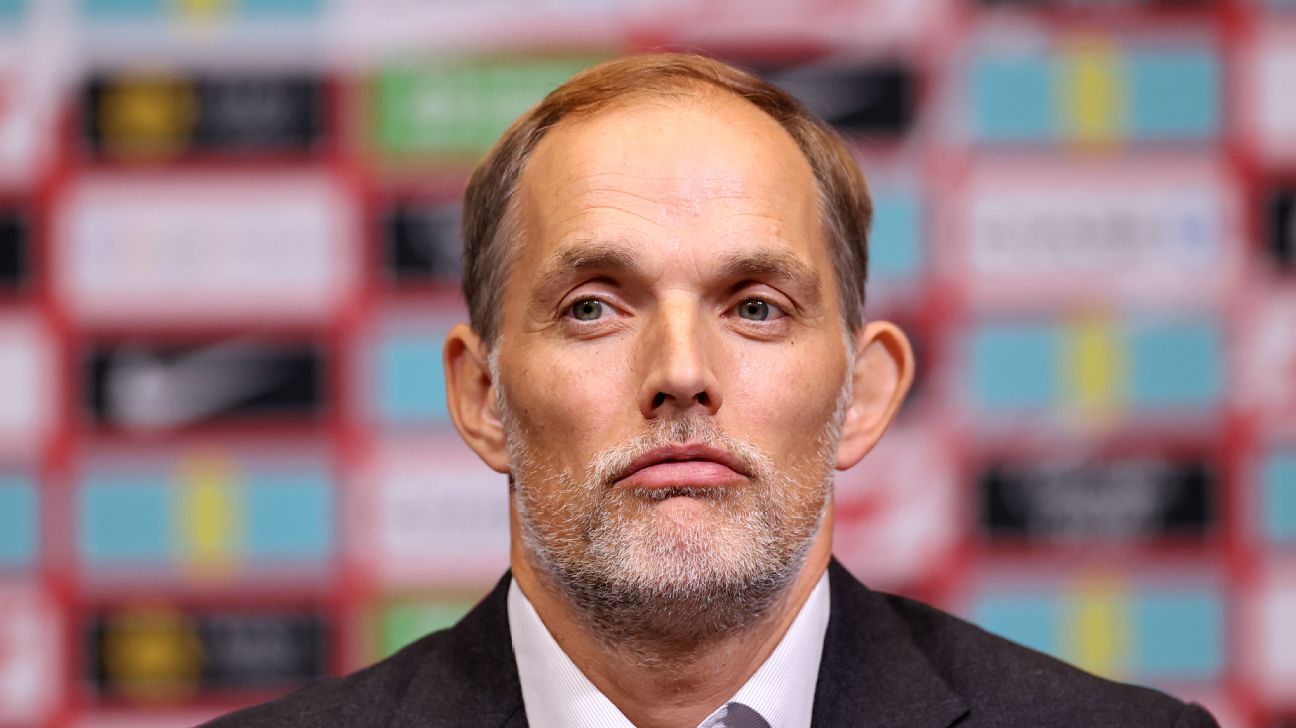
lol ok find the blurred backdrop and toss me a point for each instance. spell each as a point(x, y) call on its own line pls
point(229, 253)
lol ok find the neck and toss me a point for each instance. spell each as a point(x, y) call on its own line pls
point(671, 684)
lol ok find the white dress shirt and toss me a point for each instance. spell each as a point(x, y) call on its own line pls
point(557, 694)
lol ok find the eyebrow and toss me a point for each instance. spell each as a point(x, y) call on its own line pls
point(584, 257)
point(774, 265)
point(617, 257)
point(589, 255)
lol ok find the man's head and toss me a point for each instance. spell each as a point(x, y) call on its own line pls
point(490, 221)
point(666, 352)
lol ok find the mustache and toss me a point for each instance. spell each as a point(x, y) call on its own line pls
point(610, 465)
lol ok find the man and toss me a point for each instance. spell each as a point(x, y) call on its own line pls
point(664, 270)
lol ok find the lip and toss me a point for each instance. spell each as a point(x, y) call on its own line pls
point(678, 466)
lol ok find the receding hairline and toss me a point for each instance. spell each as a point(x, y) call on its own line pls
point(664, 90)
point(686, 91)
point(707, 96)
point(691, 91)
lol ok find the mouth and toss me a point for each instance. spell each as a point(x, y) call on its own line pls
point(683, 467)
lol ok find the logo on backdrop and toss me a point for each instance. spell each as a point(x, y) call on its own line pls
point(1116, 499)
point(206, 516)
point(422, 242)
point(143, 386)
point(164, 652)
point(1118, 625)
point(148, 117)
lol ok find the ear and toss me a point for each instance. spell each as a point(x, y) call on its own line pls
point(884, 366)
point(470, 396)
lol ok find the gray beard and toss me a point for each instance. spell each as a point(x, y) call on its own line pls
point(647, 584)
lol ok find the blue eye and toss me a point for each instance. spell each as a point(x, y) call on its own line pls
point(754, 309)
point(589, 309)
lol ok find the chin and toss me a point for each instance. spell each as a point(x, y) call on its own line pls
point(689, 546)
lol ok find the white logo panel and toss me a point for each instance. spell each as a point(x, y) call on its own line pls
point(434, 515)
point(197, 248)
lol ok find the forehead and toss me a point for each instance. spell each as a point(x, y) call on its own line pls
point(698, 171)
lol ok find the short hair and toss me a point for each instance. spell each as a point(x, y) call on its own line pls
point(489, 227)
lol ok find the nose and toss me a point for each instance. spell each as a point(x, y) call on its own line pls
point(679, 359)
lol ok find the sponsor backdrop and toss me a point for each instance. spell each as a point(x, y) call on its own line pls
point(229, 254)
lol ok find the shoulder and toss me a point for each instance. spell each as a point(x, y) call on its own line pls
point(368, 697)
point(1005, 683)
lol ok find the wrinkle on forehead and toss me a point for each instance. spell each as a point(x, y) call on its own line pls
point(684, 172)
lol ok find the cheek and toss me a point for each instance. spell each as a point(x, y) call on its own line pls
point(783, 399)
point(567, 403)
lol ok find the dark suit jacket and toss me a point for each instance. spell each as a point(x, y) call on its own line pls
point(887, 661)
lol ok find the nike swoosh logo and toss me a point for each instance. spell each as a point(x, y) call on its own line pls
point(145, 391)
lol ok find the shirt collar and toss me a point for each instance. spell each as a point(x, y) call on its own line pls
point(782, 690)
point(555, 691)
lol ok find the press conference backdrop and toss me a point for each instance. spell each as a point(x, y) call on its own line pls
point(229, 254)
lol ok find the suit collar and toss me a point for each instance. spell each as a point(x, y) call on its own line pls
point(474, 681)
point(871, 672)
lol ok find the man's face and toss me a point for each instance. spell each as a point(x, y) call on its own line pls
point(672, 363)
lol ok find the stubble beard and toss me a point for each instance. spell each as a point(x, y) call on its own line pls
point(660, 582)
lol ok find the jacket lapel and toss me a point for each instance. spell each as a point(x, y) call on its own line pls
point(470, 678)
point(871, 673)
